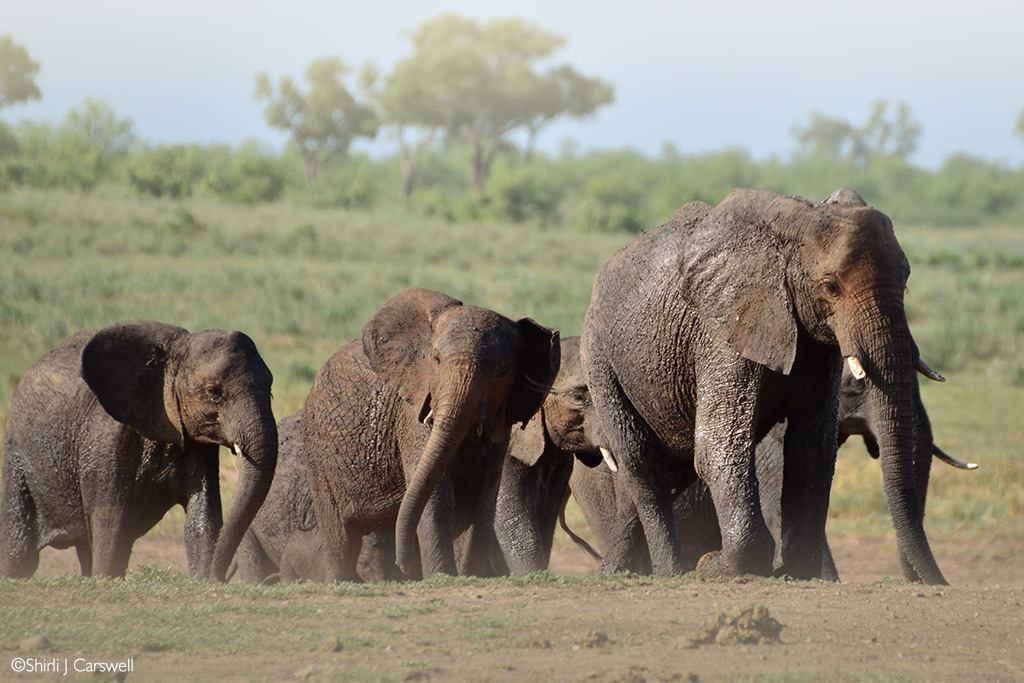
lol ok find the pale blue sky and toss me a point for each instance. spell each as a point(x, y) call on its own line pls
point(704, 76)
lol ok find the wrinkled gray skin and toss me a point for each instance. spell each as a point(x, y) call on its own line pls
point(535, 478)
point(706, 332)
point(696, 521)
point(406, 431)
point(113, 428)
point(282, 542)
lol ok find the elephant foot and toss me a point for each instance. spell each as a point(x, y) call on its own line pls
point(713, 565)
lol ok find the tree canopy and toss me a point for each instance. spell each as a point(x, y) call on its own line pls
point(17, 72)
point(881, 135)
point(325, 119)
point(480, 82)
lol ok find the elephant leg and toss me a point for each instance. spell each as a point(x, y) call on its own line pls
point(627, 546)
point(252, 562)
point(724, 459)
point(644, 472)
point(517, 526)
point(203, 515)
point(436, 531)
point(828, 564)
point(806, 483)
point(19, 539)
point(84, 552)
point(111, 542)
point(341, 542)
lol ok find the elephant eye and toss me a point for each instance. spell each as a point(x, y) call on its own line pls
point(215, 392)
point(581, 397)
point(833, 289)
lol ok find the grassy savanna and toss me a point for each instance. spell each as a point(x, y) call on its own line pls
point(303, 281)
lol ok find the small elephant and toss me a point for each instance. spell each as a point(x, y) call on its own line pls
point(703, 334)
point(113, 428)
point(405, 431)
point(535, 478)
point(282, 543)
point(696, 522)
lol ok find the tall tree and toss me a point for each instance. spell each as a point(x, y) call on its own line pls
point(324, 120)
point(17, 72)
point(879, 136)
point(407, 110)
point(563, 91)
point(479, 83)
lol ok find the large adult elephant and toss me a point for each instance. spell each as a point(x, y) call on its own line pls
point(406, 429)
point(705, 333)
point(696, 522)
point(113, 428)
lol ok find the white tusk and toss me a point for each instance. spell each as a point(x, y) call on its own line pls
point(429, 418)
point(237, 450)
point(950, 460)
point(856, 369)
point(609, 459)
point(923, 368)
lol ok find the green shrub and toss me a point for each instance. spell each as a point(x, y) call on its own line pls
point(244, 176)
point(611, 203)
point(351, 186)
point(167, 170)
point(525, 193)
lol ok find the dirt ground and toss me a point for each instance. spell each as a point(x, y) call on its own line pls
point(864, 628)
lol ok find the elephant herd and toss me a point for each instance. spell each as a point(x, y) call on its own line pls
point(723, 358)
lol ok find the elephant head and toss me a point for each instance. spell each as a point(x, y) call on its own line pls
point(464, 370)
point(567, 419)
point(175, 387)
point(833, 273)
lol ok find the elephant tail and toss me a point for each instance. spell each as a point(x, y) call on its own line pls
point(576, 539)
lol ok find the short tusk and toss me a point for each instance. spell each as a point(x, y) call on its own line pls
point(950, 460)
point(609, 459)
point(856, 369)
point(237, 450)
point(429, 418)
point(923, 368)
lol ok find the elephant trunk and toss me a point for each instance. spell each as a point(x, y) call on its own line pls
point(450, 426)
point(256, 444)
point(894, 396)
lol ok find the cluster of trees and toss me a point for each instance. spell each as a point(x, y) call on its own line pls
point(464, 111)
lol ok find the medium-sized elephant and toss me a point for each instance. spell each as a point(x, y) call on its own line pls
point(705, 333)
point(535, 478)
point(696, 522)
point(406, 430)
point(282, 542)
point(113, 428)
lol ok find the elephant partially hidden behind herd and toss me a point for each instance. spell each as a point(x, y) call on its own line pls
point(724, 356)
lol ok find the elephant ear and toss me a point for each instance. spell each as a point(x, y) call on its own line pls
point(527, 444)
point(734, 274)
point(397, 337)
point(130, 367)
point(539, 358)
